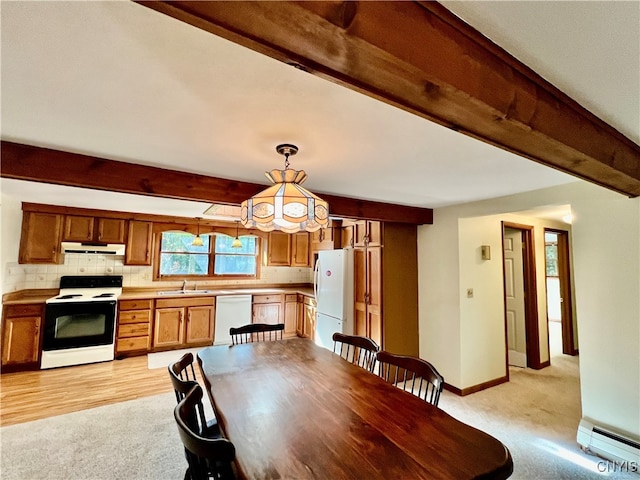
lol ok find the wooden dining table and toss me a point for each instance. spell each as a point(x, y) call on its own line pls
point(294, 410)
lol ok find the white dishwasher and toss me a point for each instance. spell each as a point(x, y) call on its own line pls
point(231, 311)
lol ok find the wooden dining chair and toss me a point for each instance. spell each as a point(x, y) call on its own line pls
point(206, 457)
point(358, 350)
point(412, 374)
point(256, 332)
point(183, 379)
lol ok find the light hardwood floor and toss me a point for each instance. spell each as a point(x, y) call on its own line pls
point(27, 396)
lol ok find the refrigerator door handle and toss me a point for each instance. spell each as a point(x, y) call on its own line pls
point(316, 279)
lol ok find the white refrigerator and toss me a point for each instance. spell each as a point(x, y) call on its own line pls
point(333, 288)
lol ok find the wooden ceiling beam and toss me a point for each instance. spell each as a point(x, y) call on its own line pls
point(37, 164)
point(420, 57)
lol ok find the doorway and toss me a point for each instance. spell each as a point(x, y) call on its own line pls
point(559, 303)
point(521, 305)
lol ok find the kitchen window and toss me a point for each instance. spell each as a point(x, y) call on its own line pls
point(214, 258)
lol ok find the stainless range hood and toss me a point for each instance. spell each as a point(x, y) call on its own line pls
point(95, 248)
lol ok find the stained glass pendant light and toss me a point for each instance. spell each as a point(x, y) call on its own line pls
point(285, 206)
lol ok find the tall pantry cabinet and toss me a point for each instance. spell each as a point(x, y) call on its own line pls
point(386, 284)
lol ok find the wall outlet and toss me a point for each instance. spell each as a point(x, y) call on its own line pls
point(469, 292)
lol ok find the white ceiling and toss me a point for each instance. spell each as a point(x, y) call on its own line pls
point(120, 81)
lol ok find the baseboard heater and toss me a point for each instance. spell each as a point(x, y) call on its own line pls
point(607, 444)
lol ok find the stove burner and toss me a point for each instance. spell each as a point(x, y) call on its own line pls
point(65, 297)
point(104, 295)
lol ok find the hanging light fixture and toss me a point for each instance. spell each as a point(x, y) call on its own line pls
point(285, 206)
point(236, 241)
point(197, 242)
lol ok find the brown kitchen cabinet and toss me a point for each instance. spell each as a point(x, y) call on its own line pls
point(329, 238)
point(91, 229)
point(288, 249)
point(308, 317)
point(183, 322)
point(279, 249)
point(134, 327)
point(367, 293)
point(267, 309)
point(21, 328)
point(290, 314)
point(138, 248)
point(40, 238)
point(300, 249)
point(385, 294)
point(367, 233)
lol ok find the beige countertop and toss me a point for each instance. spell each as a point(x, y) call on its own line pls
point(40, 296)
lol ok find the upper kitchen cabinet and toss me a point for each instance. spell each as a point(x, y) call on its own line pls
point(279, 249)
point(40, 238)
point(367, 233)
point(90, 229)
point(288, 249)
point(300, 249)
point(138, 249)
point(327, 238)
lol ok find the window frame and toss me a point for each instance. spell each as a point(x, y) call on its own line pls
point(158, 276)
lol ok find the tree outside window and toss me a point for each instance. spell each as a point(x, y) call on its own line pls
point(216, 257)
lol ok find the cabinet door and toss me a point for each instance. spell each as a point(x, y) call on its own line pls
point(279, 249)
point(346, 237)
point(21, 340)
point(300, 320)
point(300, 249)
point(111, 230)
point(199, 324)
point(374, 294)
point(310, 321)
point(266, 313)
point(374, 233)
point(169, 329)
point(40, 238)
point(290, 316)
point(360, 233)
point(360, 291)
point(139, 243)
point(78, 229)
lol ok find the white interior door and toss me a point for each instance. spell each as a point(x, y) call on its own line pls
point(514, 292)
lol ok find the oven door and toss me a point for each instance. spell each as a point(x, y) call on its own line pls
point(78, 324)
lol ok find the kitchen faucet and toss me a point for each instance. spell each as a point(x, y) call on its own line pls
point(184, 285)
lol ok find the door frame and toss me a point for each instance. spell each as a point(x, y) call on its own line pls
point(564, 276)
point(532, 331)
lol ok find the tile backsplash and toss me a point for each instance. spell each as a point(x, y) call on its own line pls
point(20, 277)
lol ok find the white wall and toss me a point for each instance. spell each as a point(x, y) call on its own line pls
point(607, 271)
point(464, 337)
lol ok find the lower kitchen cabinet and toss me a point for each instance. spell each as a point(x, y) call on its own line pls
point(21, 327)
point(307, 313)
point(290, 314)
point(267, 309)
point(134, 327)
point(183, 322)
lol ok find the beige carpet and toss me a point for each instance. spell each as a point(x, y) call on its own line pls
point(536, 414)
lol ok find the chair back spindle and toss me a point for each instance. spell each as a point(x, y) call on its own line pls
point(256, 332)
point(412, 374)
point(355, 349)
